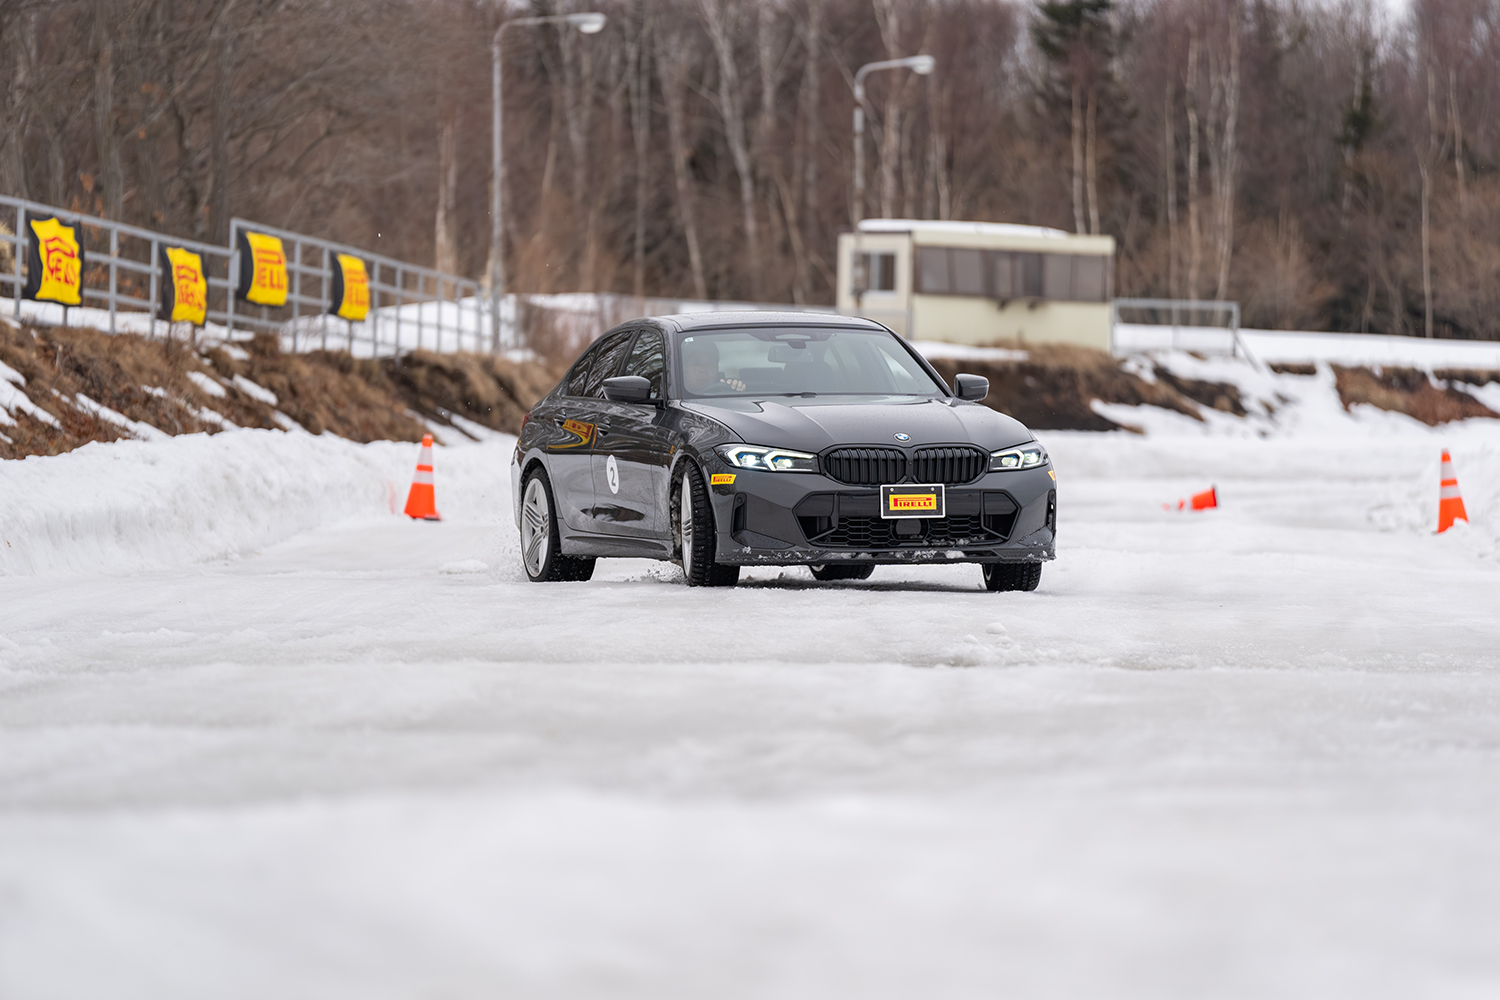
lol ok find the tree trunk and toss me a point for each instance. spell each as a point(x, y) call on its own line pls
point(1229, 156)
point(1357, 101)
point(888, 17)
point(218, 214)
point(1458, 144)
point(18, 100)
point(671, 69)
point(1195, 245)
point(640, 128)
point(445, 244)
point(106, 143)
point(1079, 226)
point(805, 154)
point(578, 112)
point(765, 154)
point(732, 112)
point(1092, 159)
point(1426, 173)
point(1169, 161)
point(812, 89)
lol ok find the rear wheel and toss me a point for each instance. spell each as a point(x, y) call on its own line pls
point(853, 571)
point(695, 534)
point(1012, 576)
point(541, 554)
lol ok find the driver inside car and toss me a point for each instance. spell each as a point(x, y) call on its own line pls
point(700, 369)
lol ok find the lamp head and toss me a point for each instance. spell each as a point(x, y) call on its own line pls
point(922, 65)
point(589, 24)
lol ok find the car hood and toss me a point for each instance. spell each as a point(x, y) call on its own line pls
point(813, 424)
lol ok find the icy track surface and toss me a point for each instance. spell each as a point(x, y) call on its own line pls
point(300, 747)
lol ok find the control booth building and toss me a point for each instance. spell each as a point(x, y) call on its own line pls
point(978, 282)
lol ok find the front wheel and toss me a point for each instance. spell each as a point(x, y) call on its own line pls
point(1012, 576)
point(827, 573)
point(541, 554)
point(695, 534)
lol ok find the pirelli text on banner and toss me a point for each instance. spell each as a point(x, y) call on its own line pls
point(54, 262)
point(262, 278)
point(184, 289)
point(350, 297)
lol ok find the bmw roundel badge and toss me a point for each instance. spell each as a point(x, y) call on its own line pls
point(903, 438)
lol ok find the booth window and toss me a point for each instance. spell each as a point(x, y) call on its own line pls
point(1057, 276)
point(1088, 279)
point(968, 272)
point(877, 272)
point(1012, 274)
point(932, 269)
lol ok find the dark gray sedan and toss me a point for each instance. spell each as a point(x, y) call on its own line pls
point(721, 440)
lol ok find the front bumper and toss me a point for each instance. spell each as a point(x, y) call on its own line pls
point(781, 518)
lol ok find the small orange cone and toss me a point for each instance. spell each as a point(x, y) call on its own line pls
point(421, 505)
point(1206, 500)
point(1450, 501)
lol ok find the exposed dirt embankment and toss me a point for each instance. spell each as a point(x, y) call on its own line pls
point(72, 386)
point(1054, 388)
point(1409, 391)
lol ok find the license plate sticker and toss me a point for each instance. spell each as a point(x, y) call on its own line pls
point(912, 501)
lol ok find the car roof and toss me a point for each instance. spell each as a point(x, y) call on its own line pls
point(684, 322)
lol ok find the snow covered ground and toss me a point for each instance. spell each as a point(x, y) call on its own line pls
point(261, 737)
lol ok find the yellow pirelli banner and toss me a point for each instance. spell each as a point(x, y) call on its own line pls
point(262, 278)
point(54, 262)
point(350, 294)
point(184, 289)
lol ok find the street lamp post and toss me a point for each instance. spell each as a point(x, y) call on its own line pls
point(588, 23)
point(921, 65)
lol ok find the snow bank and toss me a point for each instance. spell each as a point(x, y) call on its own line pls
point(133, 505)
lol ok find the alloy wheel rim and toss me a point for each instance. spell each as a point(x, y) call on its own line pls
point(685, 518)
point(536, 527)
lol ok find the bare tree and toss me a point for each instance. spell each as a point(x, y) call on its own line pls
point(673, 64)
point(718, 18)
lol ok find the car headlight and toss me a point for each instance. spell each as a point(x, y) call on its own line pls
point(1027, 456)
point(751, 456)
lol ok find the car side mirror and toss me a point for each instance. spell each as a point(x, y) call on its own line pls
point(627, 389)
point(973, 387)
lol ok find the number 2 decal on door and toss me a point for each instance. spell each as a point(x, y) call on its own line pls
point(612, 472)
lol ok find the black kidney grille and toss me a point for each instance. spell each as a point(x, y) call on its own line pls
point(951, 466)
point(865, 466)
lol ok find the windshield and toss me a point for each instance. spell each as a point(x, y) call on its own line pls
point(802, 360)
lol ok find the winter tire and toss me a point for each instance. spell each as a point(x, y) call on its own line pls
point(694, 528)
point(1012, 576)
point(855, 571)
point(541, 554)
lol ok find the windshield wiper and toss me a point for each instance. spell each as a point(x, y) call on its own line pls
point(809, 393)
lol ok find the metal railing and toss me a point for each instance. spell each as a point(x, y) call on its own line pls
point(1181, 316)
point(411, 307)
point(121, 264)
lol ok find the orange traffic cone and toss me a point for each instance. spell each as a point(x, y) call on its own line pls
point(420, 502)
point(1450, 501)
point(1206, 500)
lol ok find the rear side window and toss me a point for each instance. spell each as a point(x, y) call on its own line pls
point(588, 375)
point(648, 359)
